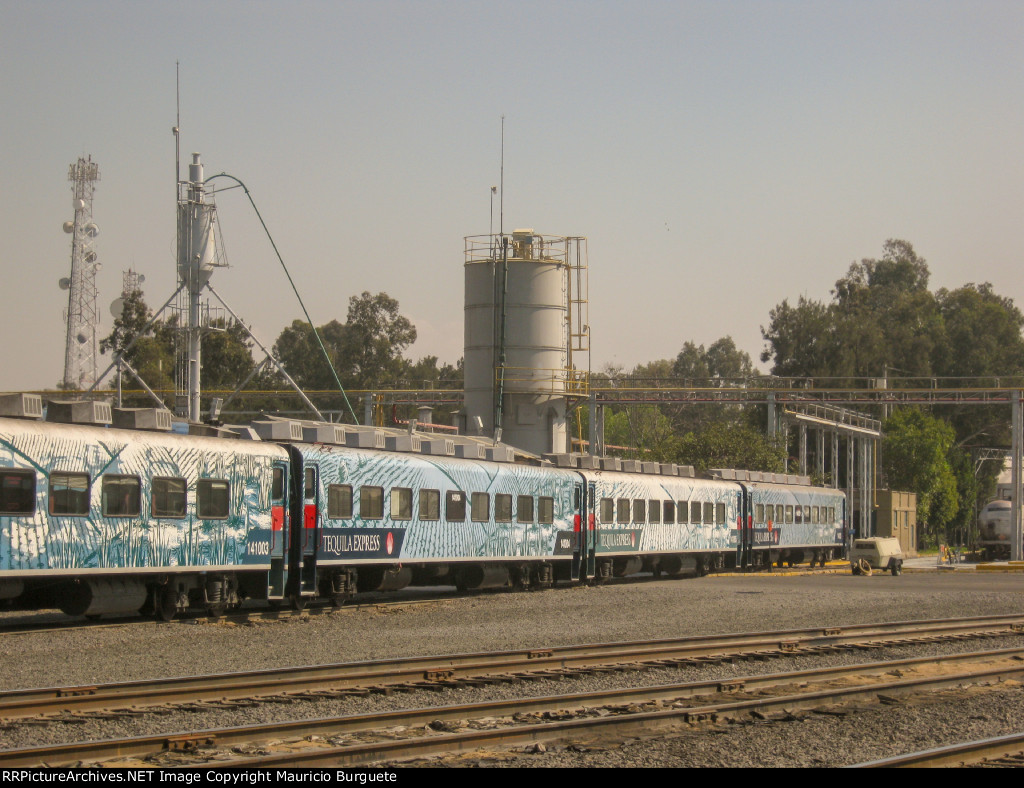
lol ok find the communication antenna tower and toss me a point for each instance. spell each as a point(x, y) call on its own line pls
point(200, 251)
point(82, 317)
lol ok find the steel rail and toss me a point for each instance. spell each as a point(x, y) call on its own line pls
point(576, 703)
point(431, 672)
point(589, 728)
point(239, 616)
point(1010, 746)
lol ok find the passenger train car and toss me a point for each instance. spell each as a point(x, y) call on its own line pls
point(98, 519)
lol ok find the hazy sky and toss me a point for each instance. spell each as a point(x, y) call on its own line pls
point(719, 156)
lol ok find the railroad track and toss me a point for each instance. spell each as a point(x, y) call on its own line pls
point(1000, 751)
point(396, 736)
point(473, 669)
point(368, 601)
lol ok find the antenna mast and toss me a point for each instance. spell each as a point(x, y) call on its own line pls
point(81, 349)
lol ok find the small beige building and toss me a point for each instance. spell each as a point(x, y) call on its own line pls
point(896, 515)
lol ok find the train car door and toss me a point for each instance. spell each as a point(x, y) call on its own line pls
point(277, 577)
point(591, 529)
point(580, 539)
point(745, 524)
point(310, 529)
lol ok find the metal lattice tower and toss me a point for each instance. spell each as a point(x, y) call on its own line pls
point(82, 317)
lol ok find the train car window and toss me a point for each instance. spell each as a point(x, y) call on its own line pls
point(401, 503)
point(277, 485)
point(502, 508)
point(814, 515)
point(454, 506)
point(654, 511)
point(622, 515)
point(430, 504)
point(371, 502)
point(169, 498)
point(789, 515)
point(684, 511)
point(720, 513)
point(759, 513)
point(17, 492)
point(799, 515)
point(639, 510)
point(607, 510)
point(121, 496)
point(709, 512)
point(831, 514)
point(69, 493)
point(546, 509)
point(309, 484)
point(480, 507)
point(695, 512)
point(213, 499)
point(807, 514)
point(577, 503)
point(524, 509)
point(669, 512)
point(339, 501)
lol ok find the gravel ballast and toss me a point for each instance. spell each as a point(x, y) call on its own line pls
point(644, 609)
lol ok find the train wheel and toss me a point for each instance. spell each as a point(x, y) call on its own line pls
point(298, 602)
point(165, 602)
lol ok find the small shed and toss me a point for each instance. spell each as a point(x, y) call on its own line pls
point(896, 515)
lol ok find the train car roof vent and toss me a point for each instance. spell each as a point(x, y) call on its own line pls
point(402, 443)
point(500, 453)
point(668, 469)
point(439, 446)
point(82, 411)
point(649, 467)
point(632, 466)
point(722, 473)
point(561, 460)
point(687, 470)
point(611, 464)
point(150, 419)
point(324, 433)
point(278, 430)
point(469, 451)
point(21, 406)
point(365, 439)
point(589, 462)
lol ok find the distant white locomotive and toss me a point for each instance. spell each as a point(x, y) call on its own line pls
point(995, 525)
point(994, 530)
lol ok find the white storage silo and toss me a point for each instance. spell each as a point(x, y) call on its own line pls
point(517, 338)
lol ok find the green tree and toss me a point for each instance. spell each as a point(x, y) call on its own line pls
point(642, 432)
point(732, 445)
point(366, 350)
point(916, 452)
point(151, 355)
point(226, 355)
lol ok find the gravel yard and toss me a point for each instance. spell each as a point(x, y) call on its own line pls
point(644, 609)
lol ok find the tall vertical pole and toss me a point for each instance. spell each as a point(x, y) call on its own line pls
point(835, 459)
point(195, 348)
point(851, 476)
point(1016, 551)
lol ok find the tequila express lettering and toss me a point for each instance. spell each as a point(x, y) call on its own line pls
point(351, 543)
